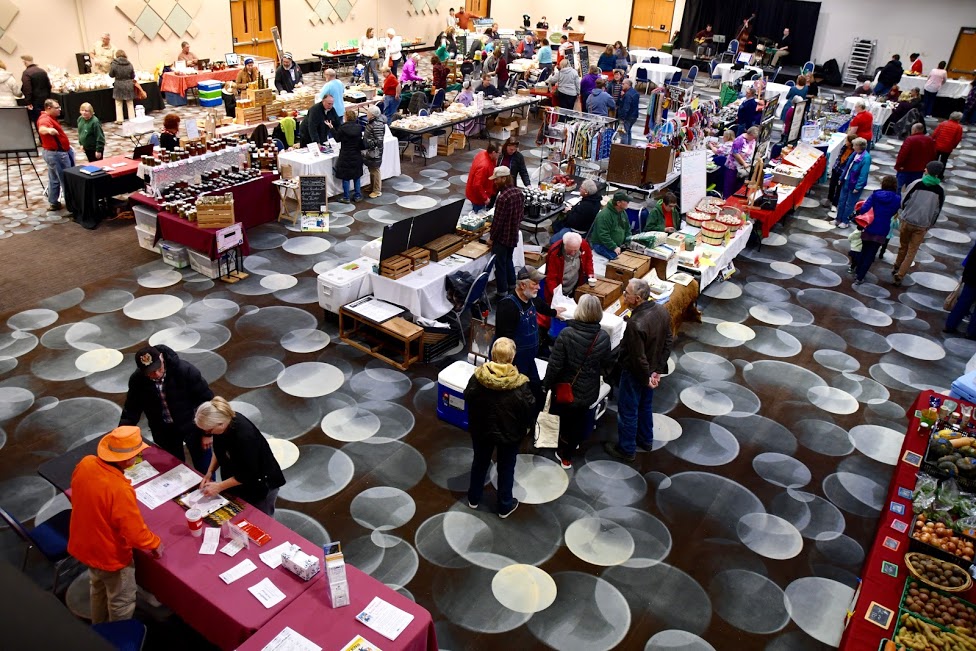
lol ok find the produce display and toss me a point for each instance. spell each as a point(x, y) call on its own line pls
point(936, 531)
point(948, 611)
point(941, 574)
point(921, 636)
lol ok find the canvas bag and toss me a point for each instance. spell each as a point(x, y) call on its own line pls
point(547, 427)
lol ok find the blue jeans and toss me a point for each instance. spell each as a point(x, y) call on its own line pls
point(507, 455)
point(906, 178)
point(635, 417)
point(928, 102)
point(869, 251)
point(345, 187)
point(267, 504)
point(504, 267)
point(881, 90)
point(604, 251)
point(390, 105)
point(57, 163)
point(967, 297)
point(628, 125)
point(393, 66)
point(371, 70)
point(845, 206)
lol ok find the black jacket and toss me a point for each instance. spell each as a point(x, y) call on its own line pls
point(580, 217)
point(244, 454)
point(969, 268)
point(647, 342)
point(499, 415)
point(373, 136)
point(36, 86)
point(891, 73)
point(518, 168)
point(569, 356)
point(185, 391)
point(349, 165)
point(314, 127)
point(283, 81)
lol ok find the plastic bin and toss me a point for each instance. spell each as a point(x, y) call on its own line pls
point(451, 382)
point(344, 284)
point(174, 254)
point(211, 102)
point(145, 217)
point(147, 238)
point(202, 264)
point(964, 387)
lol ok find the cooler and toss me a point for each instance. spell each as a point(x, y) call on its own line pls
point(964, 387)
point(210, 85)
point(211, 102)
point(451, 383)
point(344, 284)
point(597, 409)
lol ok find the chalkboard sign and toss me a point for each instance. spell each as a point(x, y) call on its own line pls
point(461, 42)
point(584, 59)
point(313, 194)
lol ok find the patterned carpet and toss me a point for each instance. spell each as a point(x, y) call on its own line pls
point(746, 528)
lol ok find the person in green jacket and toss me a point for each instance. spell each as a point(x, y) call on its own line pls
point(90, 134)
point(442, 52)
point(611, 228)
point(664, 216)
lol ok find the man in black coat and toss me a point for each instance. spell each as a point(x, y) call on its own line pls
point(320, 122)
point(168, 390)
point(288, 76)
point(889, 76)
point(580, 217)
point(36, 86)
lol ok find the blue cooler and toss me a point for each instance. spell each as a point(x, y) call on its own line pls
point(210, 85)
point(451, 383)
point(211, 102)
point(597, 409)
point(964, 387)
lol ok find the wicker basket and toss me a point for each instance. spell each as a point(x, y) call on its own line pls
point(695, 218)
point(713, 233)
point(911, 556)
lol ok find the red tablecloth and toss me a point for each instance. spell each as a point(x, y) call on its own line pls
point(312, 616)
point(130, 167)
point(174, 83)
point(862, 635)
point(256, 202)
point(769, 218)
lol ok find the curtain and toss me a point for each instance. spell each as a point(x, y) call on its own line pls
point(772, 16)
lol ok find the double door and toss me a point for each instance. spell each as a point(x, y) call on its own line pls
point(650, 24)
point(251, 24)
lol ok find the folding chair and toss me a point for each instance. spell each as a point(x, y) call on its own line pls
point(475, 293)
point(642, 78)
point(50, 537)
point(776, 74)
point(692, 75)
point(808, 67)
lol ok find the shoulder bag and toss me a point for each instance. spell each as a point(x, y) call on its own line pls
point(563, 391)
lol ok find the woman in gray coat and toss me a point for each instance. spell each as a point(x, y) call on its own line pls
point(581, 352)
point(124, 89)
point(373, 137)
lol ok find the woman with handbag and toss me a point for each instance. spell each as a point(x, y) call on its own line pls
point(581, 352)
point(875, 216)
point(123, 90)
point(965, 299)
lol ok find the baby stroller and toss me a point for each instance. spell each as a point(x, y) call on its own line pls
point(358, 73)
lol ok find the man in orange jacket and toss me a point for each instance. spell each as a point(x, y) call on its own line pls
point(106, 524)
point(947, 137)
point(480, 188)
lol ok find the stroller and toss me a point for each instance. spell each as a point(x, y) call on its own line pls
point(359, 72)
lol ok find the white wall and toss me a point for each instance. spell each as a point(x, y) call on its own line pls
point(606, 21)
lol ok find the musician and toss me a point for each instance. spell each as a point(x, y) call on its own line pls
point(782, 47)
point(705, 38)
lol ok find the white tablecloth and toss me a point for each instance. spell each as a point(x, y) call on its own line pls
point(423, 292)
point(659, 73)
point(771, 90)
point(880, 110)
point(832, 149)
point(953, 88)
point(642, 56)
point(729, 75)
point(305, 164)
point(721, 255)
point(138, 126)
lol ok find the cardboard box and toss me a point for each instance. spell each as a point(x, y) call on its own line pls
point(459, 139)
point(664, 266)
point(474, 250)
point(534, 259)
point(605, 289)
point(299, 563)
point(446, 149)
point(628, 265)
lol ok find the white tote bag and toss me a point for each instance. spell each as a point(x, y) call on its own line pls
point(547, 427)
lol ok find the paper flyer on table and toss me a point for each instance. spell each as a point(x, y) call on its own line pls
point(385, 618)
point(359, 643)
point(211, 538)
point(290, 640)
point(272, 557)
point(208, 505)
point(267, 592)
point(232, 548)
point(244, 567)
point(140, 472)
point(168, 485)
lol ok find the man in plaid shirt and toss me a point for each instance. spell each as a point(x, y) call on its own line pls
point(504, 235)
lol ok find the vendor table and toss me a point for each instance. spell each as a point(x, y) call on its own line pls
point(952, 88)
point(659, 73)
point(860, 634)
point(644, 56)
point(769, 218)
point(881, 111)
point(257, 203)
point(305, 616)
point(83, 193)
point(102, 102)
point(726, 254)
point(305, 164)
point(771, 90)
point(177, 84)
point(729, 75)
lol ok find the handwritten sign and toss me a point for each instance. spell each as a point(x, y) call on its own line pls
point(313, 194)
point(692, 179)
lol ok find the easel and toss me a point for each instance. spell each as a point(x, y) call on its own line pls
point(17, 155)
point(231, 239)
point(313, 204)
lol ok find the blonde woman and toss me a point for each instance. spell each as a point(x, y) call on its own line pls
point(369, 51)
point(243, 455)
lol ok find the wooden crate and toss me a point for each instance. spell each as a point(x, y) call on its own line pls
point(396, 266)
point(251, 115)
point(534, 259)
point(474, 250)
point(260, 96)
point(445, 148)
point(274, 109)
point(419, 257)
point(215, 215)
point(628, 265)
point(444, 247)
point(605, 289)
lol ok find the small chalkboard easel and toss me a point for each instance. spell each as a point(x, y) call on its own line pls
point(313, 203)
point(230, 247)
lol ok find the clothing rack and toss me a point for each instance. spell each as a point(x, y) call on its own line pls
point(584, 137)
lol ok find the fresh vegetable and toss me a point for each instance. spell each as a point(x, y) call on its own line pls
point(962, 441)
point(939, 573)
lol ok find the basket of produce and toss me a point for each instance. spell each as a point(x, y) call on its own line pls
point(937, 531)
point(915, 633)
point(938, 607)
point(710, 205)
point(732, 221)
point(713, 233)
point(938, 574)
point(696, 218)
point(564, 179)
point(952, 458)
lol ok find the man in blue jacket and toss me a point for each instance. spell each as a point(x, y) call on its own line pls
point(748, 115)
point(600, 102)
point(628, 108)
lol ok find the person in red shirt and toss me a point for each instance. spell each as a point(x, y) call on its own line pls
point(391, 93)
point(947, 136)
point(916, 152)
point(569, 264)
point(863, 121)
point(917, 67)
point(57, 152)
point(480, 187)
point(106, 524)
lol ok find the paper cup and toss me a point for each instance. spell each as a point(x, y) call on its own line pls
point(592, 281)
point(194, 519)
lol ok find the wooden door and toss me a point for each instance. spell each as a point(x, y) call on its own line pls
point(479, 8)
point(251, 23)
point(963, 59)
point(650, 23)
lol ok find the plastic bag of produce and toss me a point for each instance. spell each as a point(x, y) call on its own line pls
point(946, 496)
point(924, 495)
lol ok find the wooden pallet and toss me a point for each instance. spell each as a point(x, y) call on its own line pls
point(418, 257)
point(444, 247)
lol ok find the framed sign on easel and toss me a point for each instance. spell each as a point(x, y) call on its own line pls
point(16, 142)
point(230, 243)
point(313, 203)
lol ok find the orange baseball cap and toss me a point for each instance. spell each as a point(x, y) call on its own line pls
point(121, 444)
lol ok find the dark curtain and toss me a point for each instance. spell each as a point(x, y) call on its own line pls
point(772, 16)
